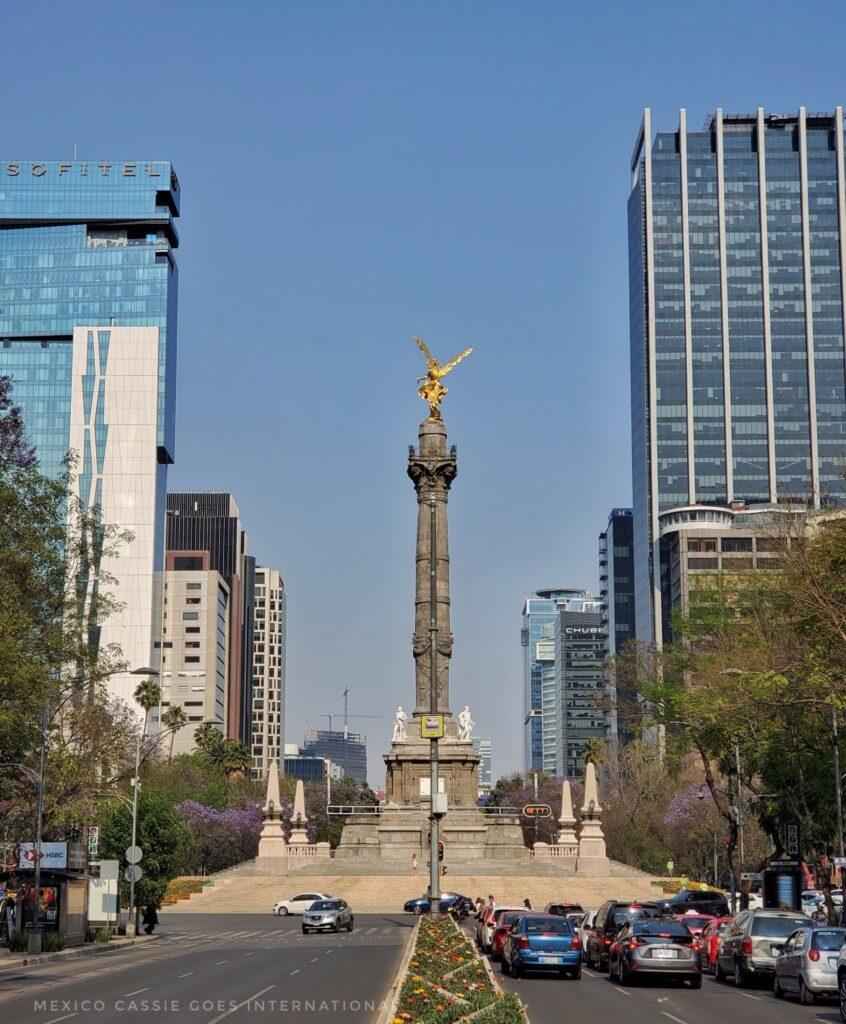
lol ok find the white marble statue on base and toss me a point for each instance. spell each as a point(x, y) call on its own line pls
point(465, 723)
point(400, 734)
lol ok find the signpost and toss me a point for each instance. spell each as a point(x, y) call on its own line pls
point(752, 876)
point(133, 873)
point(133, 854)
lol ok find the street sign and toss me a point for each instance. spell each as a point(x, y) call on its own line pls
point(53, 855)
point(792, 840)
point(537, 811)
point(432, 727)
point(840, 862)
point(752, 876)
point(133, 873)
point(133, 854)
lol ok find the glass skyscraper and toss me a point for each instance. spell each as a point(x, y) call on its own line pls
point(541, 732)
point(737, 250)
point(88, 296)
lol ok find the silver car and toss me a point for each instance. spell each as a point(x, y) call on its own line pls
point(332, 915)
point(808, 963)
point(751, 942)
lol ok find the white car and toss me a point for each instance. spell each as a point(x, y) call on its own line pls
point(583, 927)
point(298, 904)
point(490, 925)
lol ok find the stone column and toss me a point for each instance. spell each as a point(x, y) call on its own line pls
point(567, 841)
point(593, 858)
point(432, 468)
point(272, 846)
point(299, 836)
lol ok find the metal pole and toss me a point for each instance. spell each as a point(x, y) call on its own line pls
point(838, 789)
point(131, 921)
point(739, 807)
point(36, 919)
point(434, 873)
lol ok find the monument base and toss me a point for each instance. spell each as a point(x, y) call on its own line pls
point(401, 828)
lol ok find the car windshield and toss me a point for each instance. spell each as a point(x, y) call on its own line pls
point(695, 920)
point(776, 927)
point(548, 925)
point(829, 939)
point(325, 905)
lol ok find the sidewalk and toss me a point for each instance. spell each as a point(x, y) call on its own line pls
point(17, 960)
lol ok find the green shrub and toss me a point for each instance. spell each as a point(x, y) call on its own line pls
point(19, 943)
point(51, 942)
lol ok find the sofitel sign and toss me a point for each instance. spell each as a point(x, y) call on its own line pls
point(83, 169)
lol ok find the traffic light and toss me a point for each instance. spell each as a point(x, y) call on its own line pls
point(440, 852)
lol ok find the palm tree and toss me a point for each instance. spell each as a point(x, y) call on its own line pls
point(593, 752)
point(207, 737)
point(236, 758)
point(148, 694)
point(174, 718)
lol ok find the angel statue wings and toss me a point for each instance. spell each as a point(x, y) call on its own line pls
point(431, 390)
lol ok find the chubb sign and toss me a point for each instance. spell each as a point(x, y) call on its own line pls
point(53, 855)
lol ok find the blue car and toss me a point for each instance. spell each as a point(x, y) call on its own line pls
point(448, 901)
point(542, 942)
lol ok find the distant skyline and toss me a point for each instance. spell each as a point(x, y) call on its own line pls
point(352, 173)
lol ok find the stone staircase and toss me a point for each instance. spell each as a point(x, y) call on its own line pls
point(241, 891)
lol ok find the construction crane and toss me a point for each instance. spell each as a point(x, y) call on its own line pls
point(347, 715)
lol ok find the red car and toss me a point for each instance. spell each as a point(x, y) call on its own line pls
point(501, 929)
point(708, 939)
point(695, 922)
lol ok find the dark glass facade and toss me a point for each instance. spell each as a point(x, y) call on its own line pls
point(736, 243)
point(579, 687)
point(346, 749)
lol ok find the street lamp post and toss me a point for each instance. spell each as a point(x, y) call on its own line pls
point(132, 920)
point(838, 782)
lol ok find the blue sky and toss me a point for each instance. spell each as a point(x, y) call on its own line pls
point(355, 171)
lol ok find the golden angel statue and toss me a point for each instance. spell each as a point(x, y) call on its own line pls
point(431, 390)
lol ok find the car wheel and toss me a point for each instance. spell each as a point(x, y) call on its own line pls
point(806, 996)
point(282, 911)
point(778, 991)
point(841, 992)
point(504, 968)
point(306, 930)
point(739, 975)
point(418, 910)
point(517, 970)
point(719, 973)
point(336, 927)
point(622, 973)
point(350, 925)
point(576, 973)
point(696, 981)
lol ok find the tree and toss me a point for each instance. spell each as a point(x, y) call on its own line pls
point(593, 752)
point(54, 595)
point(162, 835)
point(148, 694)
point(236, 759)
point(207, 738)
point(173, 718)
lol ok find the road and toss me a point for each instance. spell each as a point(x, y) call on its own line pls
point(595, 998)
point(210, 969)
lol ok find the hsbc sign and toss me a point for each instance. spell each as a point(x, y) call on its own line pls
point(53, 855)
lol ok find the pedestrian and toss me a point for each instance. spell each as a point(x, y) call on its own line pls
point(490, 899)
point(414, 863)
point(150, 918)
point(527, 903)
point(480, 906)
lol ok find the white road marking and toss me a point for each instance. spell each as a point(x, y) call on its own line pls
point(623, 992)
point(219, 962)
point(249, 999)
point(678, 1020)
point(747, 996)
point(250, 954)
point(297, 971)
point(67, 1016)
point(186, 975)
point(137, 992)
point(315, 959)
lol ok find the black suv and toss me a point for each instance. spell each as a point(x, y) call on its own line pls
point(698, 900)
point(610, 918)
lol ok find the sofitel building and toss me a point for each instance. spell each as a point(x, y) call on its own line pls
point(737, 251)
point(88, 292)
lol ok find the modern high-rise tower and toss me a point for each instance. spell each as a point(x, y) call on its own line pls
point(737, 256)
point(88, 292)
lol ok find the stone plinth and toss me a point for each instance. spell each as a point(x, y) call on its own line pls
point(273, 850)
point(593, 857)
point(408, 763)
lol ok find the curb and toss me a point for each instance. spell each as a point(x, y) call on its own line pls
point(389, 1003)
point(90, 949)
